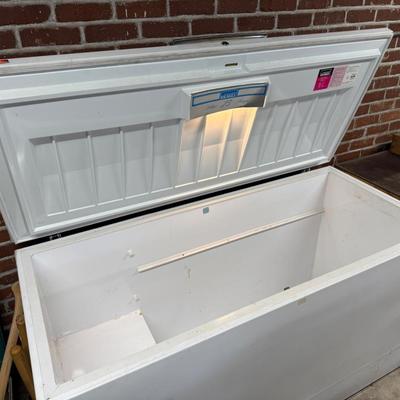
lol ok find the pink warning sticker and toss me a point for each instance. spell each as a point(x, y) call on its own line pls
point(323, 79)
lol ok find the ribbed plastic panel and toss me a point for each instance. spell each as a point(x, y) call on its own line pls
point(83, 145)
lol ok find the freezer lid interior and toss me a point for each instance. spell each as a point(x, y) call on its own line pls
point(88, 137)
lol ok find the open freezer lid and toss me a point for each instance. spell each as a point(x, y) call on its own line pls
point(88, 137)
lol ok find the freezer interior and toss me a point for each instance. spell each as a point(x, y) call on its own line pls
point(117, 291)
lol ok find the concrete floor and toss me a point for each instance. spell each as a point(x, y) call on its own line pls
point(387, 388)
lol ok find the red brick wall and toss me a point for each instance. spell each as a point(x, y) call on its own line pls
point(39, 27)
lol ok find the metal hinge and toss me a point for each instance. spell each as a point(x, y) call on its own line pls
point(55, 236)
point(225, 38)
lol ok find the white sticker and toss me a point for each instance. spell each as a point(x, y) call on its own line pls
point(344, 74)
point(351, 73)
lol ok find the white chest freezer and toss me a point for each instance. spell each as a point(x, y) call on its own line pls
point(286, 290)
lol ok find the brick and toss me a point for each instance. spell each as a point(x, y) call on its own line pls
point(6, 293)
point(7, 264)
point(392, 93)
point(352, 125)
point(347, 156)
point(359, 144)
point(360, 15)
point(347, 3)
point(355, 134)
point(7, 40)
point(110, 32)
point(392, 56)
point(165, 29)
point(326, 18)
point(277, 5)
point(366, 120)
point(235, 6)
point(255, 23)
point(294, 20)
point(24, 14)
point(383, 139)
point(362, 110)
point(4, 236)
point(395, 69)
point(383, 70)
point(32, 37)
point(390, 14)
point(142, 9)
point(373, 130)
point(313, 4)
point(373, 96)
point(389, 81)
point(7, 249)
point(381, 106)
point(212, 25)
point(67, 12)
point(189, 7)
point(390, 116)
point(394, 27)
point(342, 148)
point(377, 2)
point(9, 278)
point(394, 42)
point(394, 126)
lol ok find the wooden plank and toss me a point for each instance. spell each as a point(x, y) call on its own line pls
point(11, 342)
point(21, 360)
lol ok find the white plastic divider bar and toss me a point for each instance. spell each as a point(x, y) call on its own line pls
point(228, 240)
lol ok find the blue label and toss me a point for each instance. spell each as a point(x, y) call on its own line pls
point(215, 95)
point(229, 94)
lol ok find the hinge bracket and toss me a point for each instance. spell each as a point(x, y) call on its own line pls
point(55, 236)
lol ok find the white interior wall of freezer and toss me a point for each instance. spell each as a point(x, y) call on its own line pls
point(85, 138)
point(310, 296)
